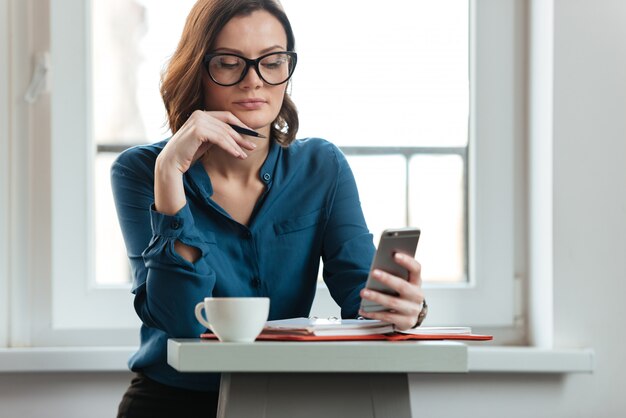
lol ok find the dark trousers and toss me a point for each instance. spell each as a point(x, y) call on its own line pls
point(147, 398)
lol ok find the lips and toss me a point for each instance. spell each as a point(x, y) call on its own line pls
point(250, 103)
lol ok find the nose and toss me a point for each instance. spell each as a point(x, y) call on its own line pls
point(251, 80)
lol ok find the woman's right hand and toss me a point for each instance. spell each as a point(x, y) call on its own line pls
point(198, 134)
point(202, 131)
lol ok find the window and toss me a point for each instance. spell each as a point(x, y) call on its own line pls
point(460, 192)
point(425, 121)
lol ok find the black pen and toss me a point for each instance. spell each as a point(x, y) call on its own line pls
point(245, 131)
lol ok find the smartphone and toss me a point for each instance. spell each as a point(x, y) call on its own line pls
point(392, 241)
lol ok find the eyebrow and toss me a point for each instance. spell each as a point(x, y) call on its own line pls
point(263, 51)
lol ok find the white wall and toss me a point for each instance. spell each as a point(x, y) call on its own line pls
point(590, 198)
point(62, 395)
point(589, 264)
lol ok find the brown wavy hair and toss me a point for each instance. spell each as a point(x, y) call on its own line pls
point(181, 80)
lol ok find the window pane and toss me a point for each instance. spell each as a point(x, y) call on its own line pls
point(371, 75)
point(438, 208)
point(132, 41)
point(381, 181)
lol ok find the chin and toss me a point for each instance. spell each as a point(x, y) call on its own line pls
point(254, 121)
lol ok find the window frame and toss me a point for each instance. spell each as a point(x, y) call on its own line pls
point(496, 116)
point(51, 302)
point(5, 170)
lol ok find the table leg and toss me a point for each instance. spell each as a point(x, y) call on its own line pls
point(325, 395)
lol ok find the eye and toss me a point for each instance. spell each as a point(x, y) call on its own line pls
point(274, 62)
point(226, 62)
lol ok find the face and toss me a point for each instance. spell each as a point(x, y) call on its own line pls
point(254, 102)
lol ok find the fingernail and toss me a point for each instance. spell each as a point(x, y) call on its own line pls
point(399, 256)
point(377, 273)
point(367, 293)
point(252, 144)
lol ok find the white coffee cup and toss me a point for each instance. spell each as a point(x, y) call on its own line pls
point(238, 320)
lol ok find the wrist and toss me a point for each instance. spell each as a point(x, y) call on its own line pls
point(166, 167)
point(169, 193)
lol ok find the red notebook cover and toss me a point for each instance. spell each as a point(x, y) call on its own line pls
point(396, 336)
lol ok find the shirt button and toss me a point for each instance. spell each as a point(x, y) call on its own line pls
point(267, 176)
point(256, 282)
point(247, 234)
point(175, 224)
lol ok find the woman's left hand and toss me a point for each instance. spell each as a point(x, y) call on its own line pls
point(405, 307)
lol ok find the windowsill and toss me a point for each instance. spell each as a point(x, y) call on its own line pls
point(501, 359)
point(490, 359)
point(65, 359)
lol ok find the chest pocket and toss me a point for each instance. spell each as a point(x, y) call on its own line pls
point(299, 223)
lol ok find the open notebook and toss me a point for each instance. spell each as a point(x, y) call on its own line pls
point(314, 329)
point(327, 327)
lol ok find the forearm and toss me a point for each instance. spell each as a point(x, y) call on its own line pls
point(169, 199)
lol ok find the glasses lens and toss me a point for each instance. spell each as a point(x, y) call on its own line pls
point(276, 68)
point(226, 69)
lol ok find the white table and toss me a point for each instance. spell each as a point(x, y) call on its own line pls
point(316, 379)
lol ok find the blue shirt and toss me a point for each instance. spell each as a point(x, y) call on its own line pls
point(309, 210)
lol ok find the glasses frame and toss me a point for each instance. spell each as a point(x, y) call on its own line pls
point(251, 63)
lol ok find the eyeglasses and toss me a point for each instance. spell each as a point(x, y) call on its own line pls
point(229, 69)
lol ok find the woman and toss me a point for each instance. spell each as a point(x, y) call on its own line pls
point(215, 212)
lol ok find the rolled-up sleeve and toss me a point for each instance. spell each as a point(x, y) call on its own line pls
point(166, 286)
point(166, 229)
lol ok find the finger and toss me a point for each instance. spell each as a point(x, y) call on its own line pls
point(400, 321)
point(220, 136)
point(209, 129)
point(239, 139)
point(409, 307)
point(221, 120)
point(226, 118)
point(236, 138)
point(401, 286)
point(412, 265)
point(405, 290)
